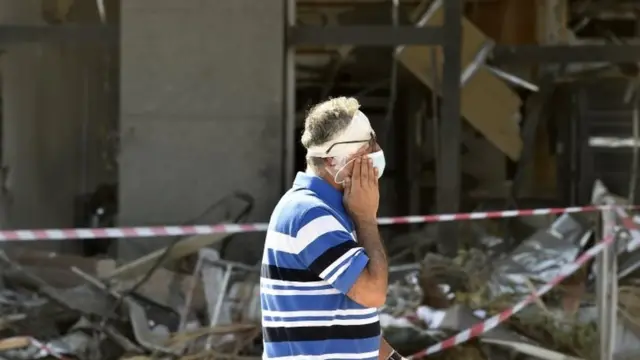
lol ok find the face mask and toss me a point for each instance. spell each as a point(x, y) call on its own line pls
point(335, 177)
point(379, 162)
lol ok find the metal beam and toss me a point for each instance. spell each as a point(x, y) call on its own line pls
point(363, 35)
point(13, 34)
point(534, 54)
point(450, 138)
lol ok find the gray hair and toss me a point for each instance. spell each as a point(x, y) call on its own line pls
point(324, 121)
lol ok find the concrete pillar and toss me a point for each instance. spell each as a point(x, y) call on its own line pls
point(201, 111)
point(19, 92)
point(53, 106)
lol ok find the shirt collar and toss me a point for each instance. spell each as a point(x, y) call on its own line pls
point(324, 190)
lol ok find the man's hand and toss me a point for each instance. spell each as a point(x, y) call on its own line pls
point(361, 192)
point(361, 199)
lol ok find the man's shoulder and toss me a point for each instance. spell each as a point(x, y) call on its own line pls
point(298, 207)
point(302, 201)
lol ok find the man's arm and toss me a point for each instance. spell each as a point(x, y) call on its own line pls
point(328, 249)
point(385, 349)
point(370, 289)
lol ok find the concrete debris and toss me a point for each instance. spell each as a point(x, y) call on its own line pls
point(457, 293)
point(98, 312)
point(541, 257)
point(209, 307)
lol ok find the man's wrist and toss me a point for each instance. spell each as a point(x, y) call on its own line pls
point(365, 221)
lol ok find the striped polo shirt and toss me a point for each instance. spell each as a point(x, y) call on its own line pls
point(311, 259)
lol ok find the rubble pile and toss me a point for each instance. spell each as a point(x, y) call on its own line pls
point(456, 294)
point(185, 302)
point(68, 307)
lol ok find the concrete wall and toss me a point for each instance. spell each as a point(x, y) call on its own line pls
point(201, 111)
point(55, 113)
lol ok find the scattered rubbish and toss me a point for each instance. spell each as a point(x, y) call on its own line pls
point(463, 295)
point(187, 302)
point(103, 312)
point(540, 258)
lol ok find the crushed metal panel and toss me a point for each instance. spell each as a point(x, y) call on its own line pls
point(487, 103)
point(541, 257)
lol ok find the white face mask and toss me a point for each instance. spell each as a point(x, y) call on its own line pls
point(378, 159)
point(379, 162)
point(335, 176)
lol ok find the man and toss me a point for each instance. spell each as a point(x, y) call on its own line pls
point(324, 269)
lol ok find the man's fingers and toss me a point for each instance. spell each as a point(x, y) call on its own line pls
point(375, 176)
point(372, 173)
point(364, 171)
point(347, 186)
point(355, 176)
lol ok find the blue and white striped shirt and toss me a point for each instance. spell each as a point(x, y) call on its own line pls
point(311, 260)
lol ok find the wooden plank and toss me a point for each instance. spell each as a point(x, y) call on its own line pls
point(552, 22)
point(14, 343)
point(508, 22)
point(487, 103)
point(183, 248)
point(551, 29)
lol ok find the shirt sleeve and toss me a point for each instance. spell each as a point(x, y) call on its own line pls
point(330, 251)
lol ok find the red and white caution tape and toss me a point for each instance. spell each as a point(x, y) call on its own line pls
point(157, 231)
point(128, 232)
point(46, 350)
point(487, 215)
point(631, 225)
point(495, 320)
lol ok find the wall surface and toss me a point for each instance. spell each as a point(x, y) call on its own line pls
point(201, 111)
point(55, 111)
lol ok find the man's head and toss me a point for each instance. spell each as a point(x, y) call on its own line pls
point(335, 132)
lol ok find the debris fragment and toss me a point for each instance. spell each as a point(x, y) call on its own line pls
point(86, 317)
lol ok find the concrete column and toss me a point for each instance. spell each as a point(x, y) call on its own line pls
point(201, 111)
point(53, 103)
point(19, 92)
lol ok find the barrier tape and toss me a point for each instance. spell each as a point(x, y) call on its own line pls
point(495, 320)
point(627, 220)
point(156, 231)
point(46, 350)
point(630, 224)
point(487, 215)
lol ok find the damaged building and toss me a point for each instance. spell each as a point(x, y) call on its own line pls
point(121, 113)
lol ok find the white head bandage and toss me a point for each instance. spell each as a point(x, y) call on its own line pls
point(359, 129)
